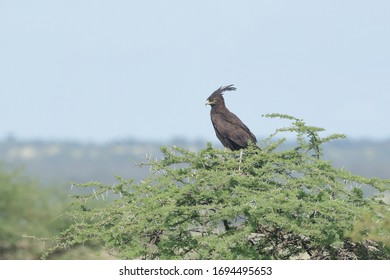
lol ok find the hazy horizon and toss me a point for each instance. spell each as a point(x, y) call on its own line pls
point(171, 140)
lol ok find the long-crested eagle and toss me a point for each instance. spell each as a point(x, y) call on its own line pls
point(230, 130)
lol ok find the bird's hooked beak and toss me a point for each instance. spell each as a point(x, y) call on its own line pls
point(208, 102)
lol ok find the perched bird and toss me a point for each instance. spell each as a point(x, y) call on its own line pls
point(230, 130)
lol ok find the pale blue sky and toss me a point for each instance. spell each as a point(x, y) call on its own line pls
point(103, 70)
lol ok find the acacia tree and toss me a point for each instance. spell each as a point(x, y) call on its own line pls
point(277, 203)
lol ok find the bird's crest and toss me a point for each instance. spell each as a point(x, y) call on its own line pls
point(217, 98)
point(221, 90)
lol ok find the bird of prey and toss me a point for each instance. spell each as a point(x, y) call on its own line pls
point(230, 130)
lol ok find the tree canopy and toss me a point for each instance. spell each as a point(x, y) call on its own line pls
point(277, 203)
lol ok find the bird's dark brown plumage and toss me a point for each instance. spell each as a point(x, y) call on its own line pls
point(230, 130)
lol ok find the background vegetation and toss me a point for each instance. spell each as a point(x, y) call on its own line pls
point(26, 209)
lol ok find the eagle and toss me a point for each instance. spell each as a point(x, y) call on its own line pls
point(230, 130)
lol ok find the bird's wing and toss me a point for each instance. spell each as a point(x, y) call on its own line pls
point(232, 129)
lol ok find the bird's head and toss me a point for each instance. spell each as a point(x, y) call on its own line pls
point(216, 97)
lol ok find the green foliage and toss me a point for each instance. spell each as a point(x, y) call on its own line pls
point(374, 224)
point(274, 204)
point(25, 209)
